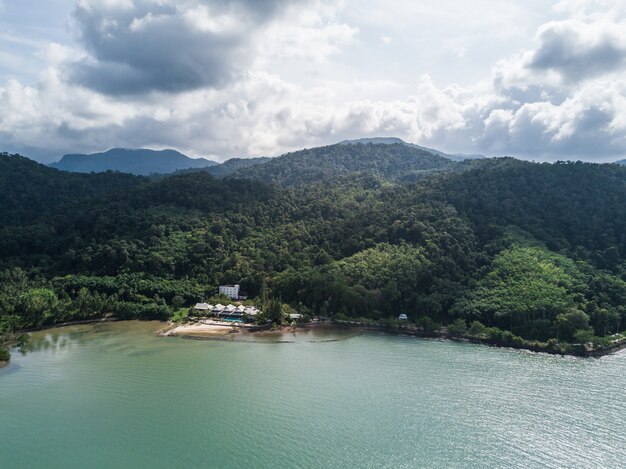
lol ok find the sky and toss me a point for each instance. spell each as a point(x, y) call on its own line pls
point(537, 79)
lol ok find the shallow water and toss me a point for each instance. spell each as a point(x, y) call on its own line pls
point(115, 395)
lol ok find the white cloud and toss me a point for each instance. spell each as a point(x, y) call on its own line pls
point(263, 78)
point(316, 41)
point(592, 9)
point(577, 50)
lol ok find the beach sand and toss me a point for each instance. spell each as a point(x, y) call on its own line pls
point(200, 330)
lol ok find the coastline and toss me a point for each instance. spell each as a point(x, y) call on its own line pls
point(574, 350)
point(212, 330)
point(70, 323)
point(228, 332)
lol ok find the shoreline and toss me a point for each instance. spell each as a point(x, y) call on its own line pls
point(230, 332)
point(197, 332)
point(69, 323)
point(582, 352)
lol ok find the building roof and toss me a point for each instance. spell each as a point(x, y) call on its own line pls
point(218, 307)
point(295, 316)
point(202, 306)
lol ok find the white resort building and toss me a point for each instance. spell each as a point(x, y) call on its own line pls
point(231, 291)
point(228, 312)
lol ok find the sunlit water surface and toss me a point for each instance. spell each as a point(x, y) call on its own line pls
point(115, 395)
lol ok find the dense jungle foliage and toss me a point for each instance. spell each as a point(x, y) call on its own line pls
point(535, 249)
point(394, 162)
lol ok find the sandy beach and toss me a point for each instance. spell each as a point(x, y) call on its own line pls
point(199, 329)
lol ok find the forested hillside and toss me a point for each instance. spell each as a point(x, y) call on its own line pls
point(535, 249)
point(29, 190)
point(228, 167)
point(323, 164)
point(393, 141)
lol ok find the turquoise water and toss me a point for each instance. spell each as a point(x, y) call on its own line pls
point(115, 395)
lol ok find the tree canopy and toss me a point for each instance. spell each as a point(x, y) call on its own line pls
point(526, 247)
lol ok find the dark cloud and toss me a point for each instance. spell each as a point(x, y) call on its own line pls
point(144, 45)
point(578, 51)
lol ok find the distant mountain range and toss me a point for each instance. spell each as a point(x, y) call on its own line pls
point(395, 141)
point(321, 161)
point(139, 162)
point(622, 162)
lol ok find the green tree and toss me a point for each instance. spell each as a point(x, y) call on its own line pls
point(570, 322)
point(274, 311)
point(477, 329)
point(427, 324)
point(457, 328)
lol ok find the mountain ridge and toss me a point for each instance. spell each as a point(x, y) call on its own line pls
point(31, 190)
point(145, 162)
point(319, 164)
point(396, 140)
point(140, 161)
point(228, 167)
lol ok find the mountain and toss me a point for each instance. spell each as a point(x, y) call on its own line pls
point(622, 162)
point(139, 162)
point(30, 190)
point(228, 167)
point(235, 164)
point(395, 141)
point(530, 250)
point(390, 161)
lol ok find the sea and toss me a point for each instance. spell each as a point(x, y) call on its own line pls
point(115, 395)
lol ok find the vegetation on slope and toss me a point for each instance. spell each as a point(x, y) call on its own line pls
point(535, 250)
point(29, 190)
point(324, 164)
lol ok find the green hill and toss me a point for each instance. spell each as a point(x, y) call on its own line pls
point(394, 161)
point(537, 250)
point(395, 141)
point(228, 167)
point(29, 190)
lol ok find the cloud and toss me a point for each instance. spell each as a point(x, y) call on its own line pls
point(307, 38)
point(138, 46)
point(591, 9)
point(589, 123)
point(578, 50)
point(246, 78)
